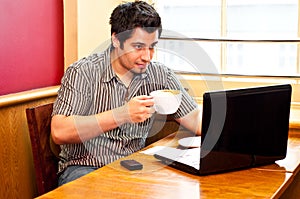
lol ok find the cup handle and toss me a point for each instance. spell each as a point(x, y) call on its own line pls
point(155, 107)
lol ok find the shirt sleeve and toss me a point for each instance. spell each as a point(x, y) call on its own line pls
point(74, 95)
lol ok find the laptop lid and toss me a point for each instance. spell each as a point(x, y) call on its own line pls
point(244, 127)
point(240, 128)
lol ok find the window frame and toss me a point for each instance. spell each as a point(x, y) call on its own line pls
point(224, 40)
point(196, 83)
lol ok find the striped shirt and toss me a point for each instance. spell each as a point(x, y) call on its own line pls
point(90, 86)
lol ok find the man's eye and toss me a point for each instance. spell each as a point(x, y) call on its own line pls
point(152, 47)
point(138, 46)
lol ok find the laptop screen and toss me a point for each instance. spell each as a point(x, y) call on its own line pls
point(244, 127)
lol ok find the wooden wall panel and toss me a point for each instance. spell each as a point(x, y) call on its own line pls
point(16, 170)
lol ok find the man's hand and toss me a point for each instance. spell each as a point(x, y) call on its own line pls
point(138, 109)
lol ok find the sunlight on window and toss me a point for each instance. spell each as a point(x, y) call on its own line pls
point(192, 18)
point(258, 37)
point(261, 59)
point(189, 56)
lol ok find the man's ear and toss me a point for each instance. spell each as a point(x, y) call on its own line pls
point(115, 40)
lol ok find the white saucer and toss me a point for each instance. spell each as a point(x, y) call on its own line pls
point(190, 142)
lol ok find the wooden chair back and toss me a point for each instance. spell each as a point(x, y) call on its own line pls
point(45, 152)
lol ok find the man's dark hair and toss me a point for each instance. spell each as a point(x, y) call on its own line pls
point(128, 16)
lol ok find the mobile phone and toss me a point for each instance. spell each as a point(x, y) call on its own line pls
point(131, 165)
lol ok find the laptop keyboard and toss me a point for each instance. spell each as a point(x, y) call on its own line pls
point(189, 157)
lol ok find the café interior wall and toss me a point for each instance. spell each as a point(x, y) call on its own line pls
point(81, 33)
point(31, 48)
point(93, 25)
point(16, 168)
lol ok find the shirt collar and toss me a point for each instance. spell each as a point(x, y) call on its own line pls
point(109, 73)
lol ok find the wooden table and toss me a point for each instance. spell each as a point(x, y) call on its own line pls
point(159, 181)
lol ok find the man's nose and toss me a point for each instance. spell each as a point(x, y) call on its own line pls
point(146, 56)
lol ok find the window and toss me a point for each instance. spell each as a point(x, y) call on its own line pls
point(239, 37)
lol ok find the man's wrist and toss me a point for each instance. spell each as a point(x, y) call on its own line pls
point(121, 115)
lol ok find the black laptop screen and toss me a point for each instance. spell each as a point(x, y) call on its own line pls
point(245, 127)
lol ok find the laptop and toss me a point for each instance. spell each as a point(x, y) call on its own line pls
point(241, 128)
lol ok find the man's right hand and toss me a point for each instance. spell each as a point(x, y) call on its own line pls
point(138, 109)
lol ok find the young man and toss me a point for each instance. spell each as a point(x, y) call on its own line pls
point(103, 110)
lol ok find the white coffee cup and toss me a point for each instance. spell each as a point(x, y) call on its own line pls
point(166, 101)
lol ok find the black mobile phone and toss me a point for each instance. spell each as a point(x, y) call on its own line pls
point(131, 165)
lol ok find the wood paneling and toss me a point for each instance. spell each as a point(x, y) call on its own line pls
point(16, 170)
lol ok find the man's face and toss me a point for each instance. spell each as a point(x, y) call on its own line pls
point(137, 51)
